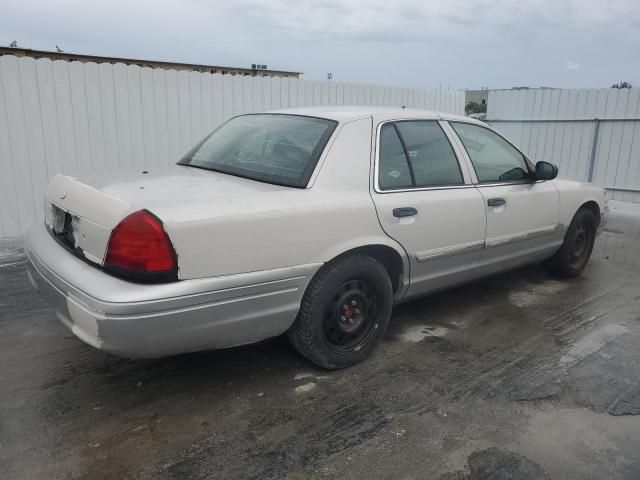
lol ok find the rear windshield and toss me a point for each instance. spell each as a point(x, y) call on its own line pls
point(272, 148)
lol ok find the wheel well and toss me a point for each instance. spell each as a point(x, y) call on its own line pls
point(387, 256)
point(595, 209)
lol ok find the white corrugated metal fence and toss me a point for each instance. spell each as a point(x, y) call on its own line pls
point(65, 117)
point(592, 134)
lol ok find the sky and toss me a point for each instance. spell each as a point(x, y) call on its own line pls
point(410, 43)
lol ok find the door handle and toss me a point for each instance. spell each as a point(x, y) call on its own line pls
point(496, 202)
point(404, 212)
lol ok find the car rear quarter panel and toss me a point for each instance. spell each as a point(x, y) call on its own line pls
point(295, 226)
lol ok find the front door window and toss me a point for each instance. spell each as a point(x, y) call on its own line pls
point(493, 158)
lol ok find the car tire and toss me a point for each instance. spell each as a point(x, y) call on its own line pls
point(572, 257)
point(344, 312)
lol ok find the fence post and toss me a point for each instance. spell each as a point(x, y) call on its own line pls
point(594, 144)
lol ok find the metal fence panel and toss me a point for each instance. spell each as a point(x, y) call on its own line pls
point(592, 134)
point(66, 117)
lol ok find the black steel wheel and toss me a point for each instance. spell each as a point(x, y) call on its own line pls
point(581, 243)
point(572, 257)
point(344, 312)
point(350, 314)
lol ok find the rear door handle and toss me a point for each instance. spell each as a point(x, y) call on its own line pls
point(404, 212)
point(496, 202)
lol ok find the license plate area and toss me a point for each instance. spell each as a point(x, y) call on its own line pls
point(64, 227)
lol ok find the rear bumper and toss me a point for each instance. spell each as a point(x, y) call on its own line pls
point(145, 321)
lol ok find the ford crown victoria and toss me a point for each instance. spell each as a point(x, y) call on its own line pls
point(313, 222)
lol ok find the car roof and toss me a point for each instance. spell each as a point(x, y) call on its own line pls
point(341, 113)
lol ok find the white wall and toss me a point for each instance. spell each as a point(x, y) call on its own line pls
point(568, 143)
point(64, 117)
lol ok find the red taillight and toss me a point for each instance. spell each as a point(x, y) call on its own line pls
point(140, 243)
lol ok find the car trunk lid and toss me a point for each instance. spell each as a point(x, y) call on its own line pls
point(89, 207)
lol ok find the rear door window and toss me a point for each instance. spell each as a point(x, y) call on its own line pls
point(416, 154)
point(430, 153)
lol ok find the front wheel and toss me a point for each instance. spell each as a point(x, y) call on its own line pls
point(344, 312)
point(572, 257)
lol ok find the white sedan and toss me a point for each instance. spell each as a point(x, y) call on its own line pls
point(312, 222)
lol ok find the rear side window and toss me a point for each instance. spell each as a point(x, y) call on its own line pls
point(493, 158)
point(416, 154)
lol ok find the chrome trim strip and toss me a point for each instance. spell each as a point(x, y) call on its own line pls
point(489, 243)
point(449, 251)
point(516, 237)
point(422, 189)
point(506, 183)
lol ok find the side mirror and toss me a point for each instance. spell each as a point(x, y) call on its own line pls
point(546, 171)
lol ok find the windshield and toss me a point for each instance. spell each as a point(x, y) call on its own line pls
point(272, 148)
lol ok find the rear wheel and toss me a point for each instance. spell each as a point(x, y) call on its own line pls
point(344, 312)
point(572, 257)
